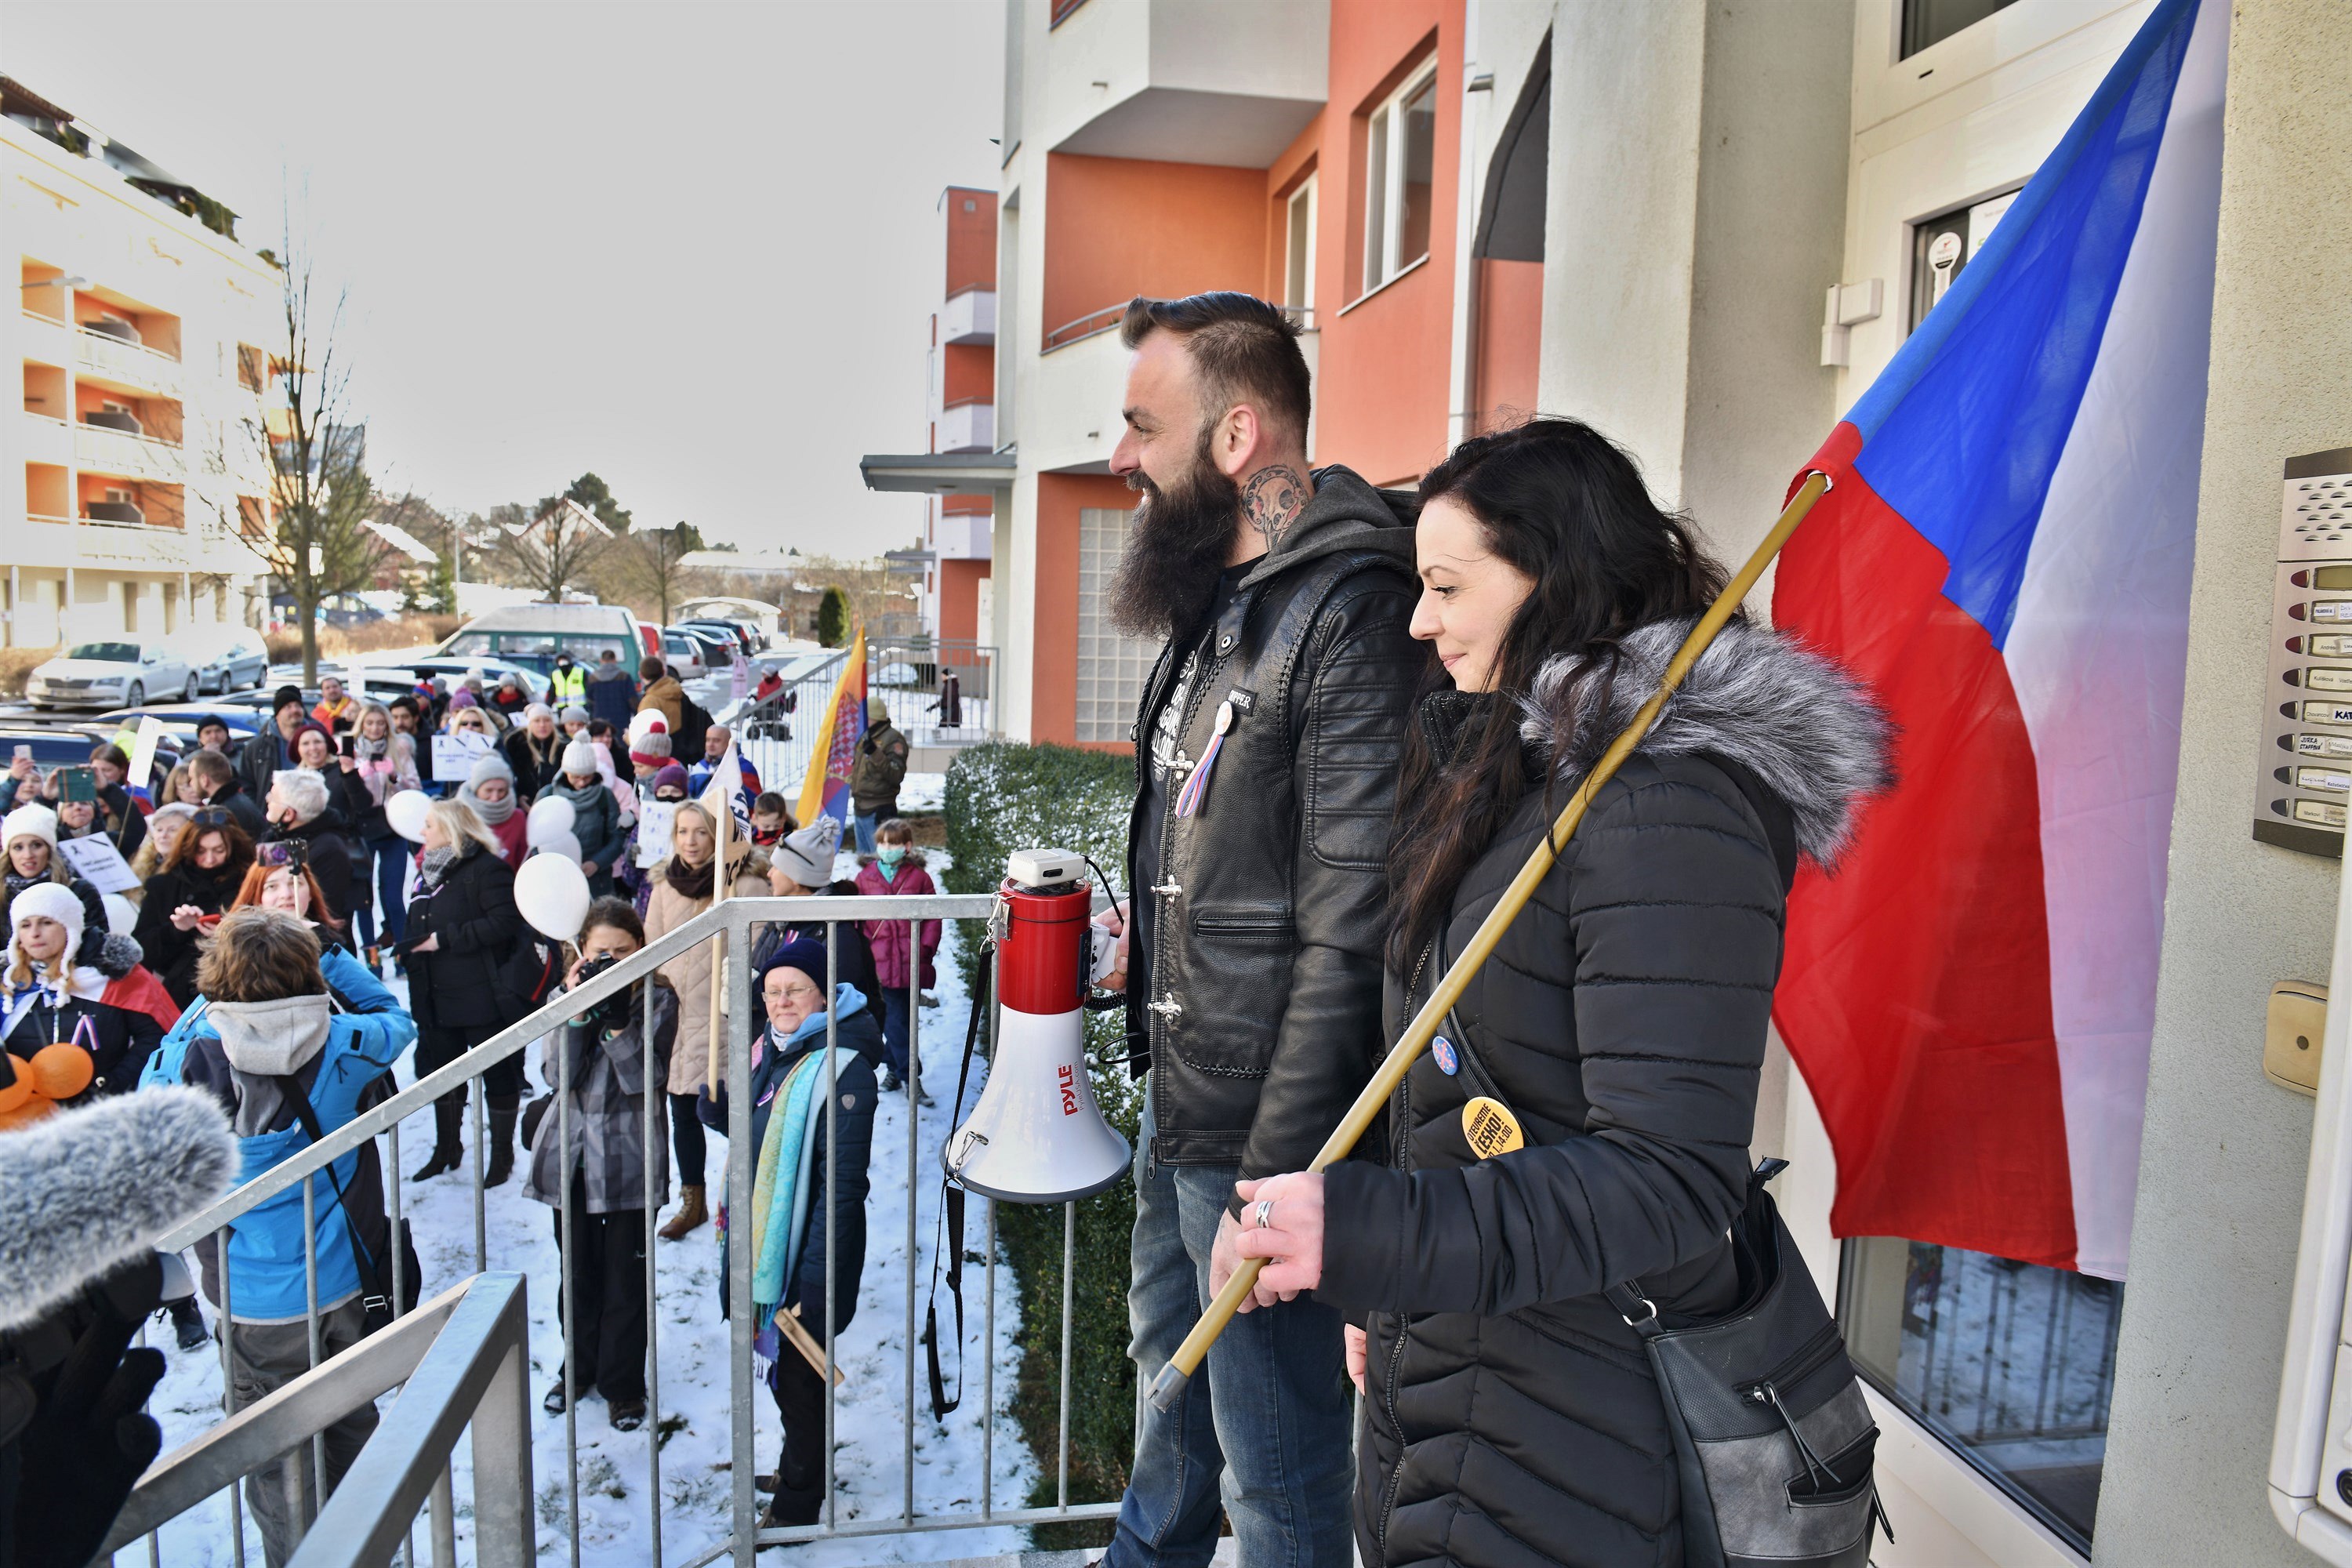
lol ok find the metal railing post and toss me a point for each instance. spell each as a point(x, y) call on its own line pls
point(914, 1194)
point(833, 1216)
point(655, 1092)
point(740, 1159)
point(503, 1536)
point(566, 1240)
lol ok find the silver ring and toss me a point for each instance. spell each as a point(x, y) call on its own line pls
point(1264, 1212)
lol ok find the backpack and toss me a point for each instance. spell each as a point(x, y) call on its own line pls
point(693, 727)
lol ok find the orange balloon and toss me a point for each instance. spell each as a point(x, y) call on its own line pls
point(17, 1093)
point(32, 1111)
point(60, 1072)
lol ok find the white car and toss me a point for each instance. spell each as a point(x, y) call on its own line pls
point(121, 672)
point(226, 658)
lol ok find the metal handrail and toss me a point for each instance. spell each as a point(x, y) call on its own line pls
point(1070, 332)
point(639, 965)
point(457, 1354)
point(125, 343)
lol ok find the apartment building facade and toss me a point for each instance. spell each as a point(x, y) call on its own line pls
point(1705, 228)
point(131, 470)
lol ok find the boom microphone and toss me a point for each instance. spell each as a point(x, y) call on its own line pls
point(94, 1186)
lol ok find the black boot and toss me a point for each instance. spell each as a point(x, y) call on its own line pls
point(503, 1109)
point(188, 1323)
point(448, 1113)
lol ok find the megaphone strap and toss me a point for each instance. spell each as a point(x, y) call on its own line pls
point(947, 1237)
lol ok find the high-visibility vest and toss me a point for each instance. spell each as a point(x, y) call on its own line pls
point(569, 686)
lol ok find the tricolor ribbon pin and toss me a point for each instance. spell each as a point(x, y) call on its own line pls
point(1188, 799)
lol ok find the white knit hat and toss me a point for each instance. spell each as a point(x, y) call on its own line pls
point(56, 901)
point(806, 857)
point(580, 760)
point(35, 821)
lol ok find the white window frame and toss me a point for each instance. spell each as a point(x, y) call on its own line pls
point(1305, 269)
point(1384, 184)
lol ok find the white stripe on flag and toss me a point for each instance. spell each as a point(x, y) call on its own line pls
point(2097, 654)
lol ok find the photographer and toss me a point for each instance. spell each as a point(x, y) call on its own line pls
point(600, 1159)
point(266, 1039)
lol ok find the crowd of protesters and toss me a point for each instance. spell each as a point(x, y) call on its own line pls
point(280, 931)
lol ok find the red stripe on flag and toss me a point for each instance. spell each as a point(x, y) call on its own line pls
point(1916, 993)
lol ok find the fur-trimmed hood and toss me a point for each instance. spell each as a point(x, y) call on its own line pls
point(1806, 729)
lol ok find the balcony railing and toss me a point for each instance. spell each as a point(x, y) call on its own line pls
point(135, 363)
point(969, 425)
point(969, 317)
point(1095, 323)
point(119, 452)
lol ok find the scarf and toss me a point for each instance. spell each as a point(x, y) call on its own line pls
point(692, 881)
point(783, 1189)
point(434, 866)
point(76, 984)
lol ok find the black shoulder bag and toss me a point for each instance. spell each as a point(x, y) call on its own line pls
point(375, 1276)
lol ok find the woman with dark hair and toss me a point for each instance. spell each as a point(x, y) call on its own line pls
point(1510, 1413)
point(195, 887)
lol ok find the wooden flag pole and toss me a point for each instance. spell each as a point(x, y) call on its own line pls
point(720, 878)
point(1169, 1386)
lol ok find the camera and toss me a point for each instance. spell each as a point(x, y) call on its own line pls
point(614, 1011)
point(283, 852)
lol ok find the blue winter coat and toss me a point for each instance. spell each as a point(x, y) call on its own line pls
point(265, 1249)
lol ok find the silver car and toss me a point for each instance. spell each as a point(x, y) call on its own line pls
point(118, 672)
point(226, 658)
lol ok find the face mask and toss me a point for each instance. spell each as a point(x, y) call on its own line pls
point(891, 855)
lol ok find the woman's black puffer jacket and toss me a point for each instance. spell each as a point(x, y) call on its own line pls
point(1511, 1418)
point(473, 913)
point(172, 953)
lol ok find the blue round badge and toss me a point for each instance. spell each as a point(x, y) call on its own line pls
point(1443, 1049)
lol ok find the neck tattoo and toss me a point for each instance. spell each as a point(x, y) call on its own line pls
point(1272, 501)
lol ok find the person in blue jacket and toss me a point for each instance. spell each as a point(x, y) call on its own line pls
point(277, 1017)
point(797, 1196)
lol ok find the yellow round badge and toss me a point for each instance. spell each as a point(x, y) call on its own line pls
point(1490, 1128)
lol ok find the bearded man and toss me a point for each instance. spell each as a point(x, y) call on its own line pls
point(1267, 741)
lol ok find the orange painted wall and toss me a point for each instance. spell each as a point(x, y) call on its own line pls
point(1385, 364)
point(972, 239)
point(1511, 339)
point(1117, 228)
point(966, 371)
point(960, 601)
point(967, 506)
point(1054, 668)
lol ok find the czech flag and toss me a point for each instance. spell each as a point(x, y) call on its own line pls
point(2004, 557)
point(826, 791)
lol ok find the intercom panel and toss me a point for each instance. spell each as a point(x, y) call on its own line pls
point(2303, 773)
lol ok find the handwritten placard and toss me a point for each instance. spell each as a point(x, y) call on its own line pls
point(455, 754)
point(96, 861)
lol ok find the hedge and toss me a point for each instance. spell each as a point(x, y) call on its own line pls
point(1002, 796)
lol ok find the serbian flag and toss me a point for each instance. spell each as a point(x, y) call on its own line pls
point(2004, 558)
point(826, 791)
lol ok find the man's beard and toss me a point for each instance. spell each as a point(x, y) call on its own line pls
point(1177, 544)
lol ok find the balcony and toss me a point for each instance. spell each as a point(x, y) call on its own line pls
point(968, 427)
point(47, 441)
point(52, 543)
point(132, 365)
point(969, 317)
point(102, 450)
point(1189, 81)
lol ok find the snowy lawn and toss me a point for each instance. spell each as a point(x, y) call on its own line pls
point(694, 1402)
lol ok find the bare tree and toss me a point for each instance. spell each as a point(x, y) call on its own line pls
point(311, 530)
point(654, 563)
point(551, 548)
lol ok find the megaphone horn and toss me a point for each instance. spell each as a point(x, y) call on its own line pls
point(1036, 1136)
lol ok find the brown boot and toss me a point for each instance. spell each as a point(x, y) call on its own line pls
point(690, 1216)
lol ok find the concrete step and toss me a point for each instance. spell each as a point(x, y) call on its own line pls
point(1226, 1557)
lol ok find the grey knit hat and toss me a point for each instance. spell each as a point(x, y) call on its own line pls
point(806, 857)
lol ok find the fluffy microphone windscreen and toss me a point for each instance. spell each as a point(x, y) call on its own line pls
point(86, 1188)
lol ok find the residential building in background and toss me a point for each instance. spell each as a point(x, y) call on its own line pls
point(1705, 229)
point(131, 469)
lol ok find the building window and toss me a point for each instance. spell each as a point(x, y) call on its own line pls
point(1401, 151)
point(1298, 261)
point(1111, 665)
point(1927, 22)
point(1942, 247)
point(2010, 1364)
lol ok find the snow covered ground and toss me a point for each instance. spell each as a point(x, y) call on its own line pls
point(694, 1396)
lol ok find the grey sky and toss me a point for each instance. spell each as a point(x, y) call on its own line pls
point(690, 247)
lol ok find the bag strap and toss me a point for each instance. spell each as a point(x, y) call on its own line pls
point(292, 1088)
point(948, 1237)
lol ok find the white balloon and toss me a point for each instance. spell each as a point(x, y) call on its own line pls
point(552, 895)
point(404, 810)
point(554, 814)
point(121, 914)
point(560, 841)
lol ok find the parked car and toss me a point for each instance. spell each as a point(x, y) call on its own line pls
point(381, 682)
point(735, 632)
point(48, 748)
point(718, 647)
point(650, 635)
point(120, 672)
point(335, 610)
point(685, 656)
point(226, 658)
point(181, 721)
point(532, 634)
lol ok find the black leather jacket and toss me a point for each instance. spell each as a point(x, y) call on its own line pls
point(1268, 903)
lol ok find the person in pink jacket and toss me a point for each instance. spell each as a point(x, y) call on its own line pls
point(897, 867)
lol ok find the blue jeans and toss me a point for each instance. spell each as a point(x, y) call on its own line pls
point(391, 877)
point(1263, 1427)
point(862, 823)
point(895, 1033)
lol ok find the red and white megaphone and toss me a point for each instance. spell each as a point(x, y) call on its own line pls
point(1036, 1136)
